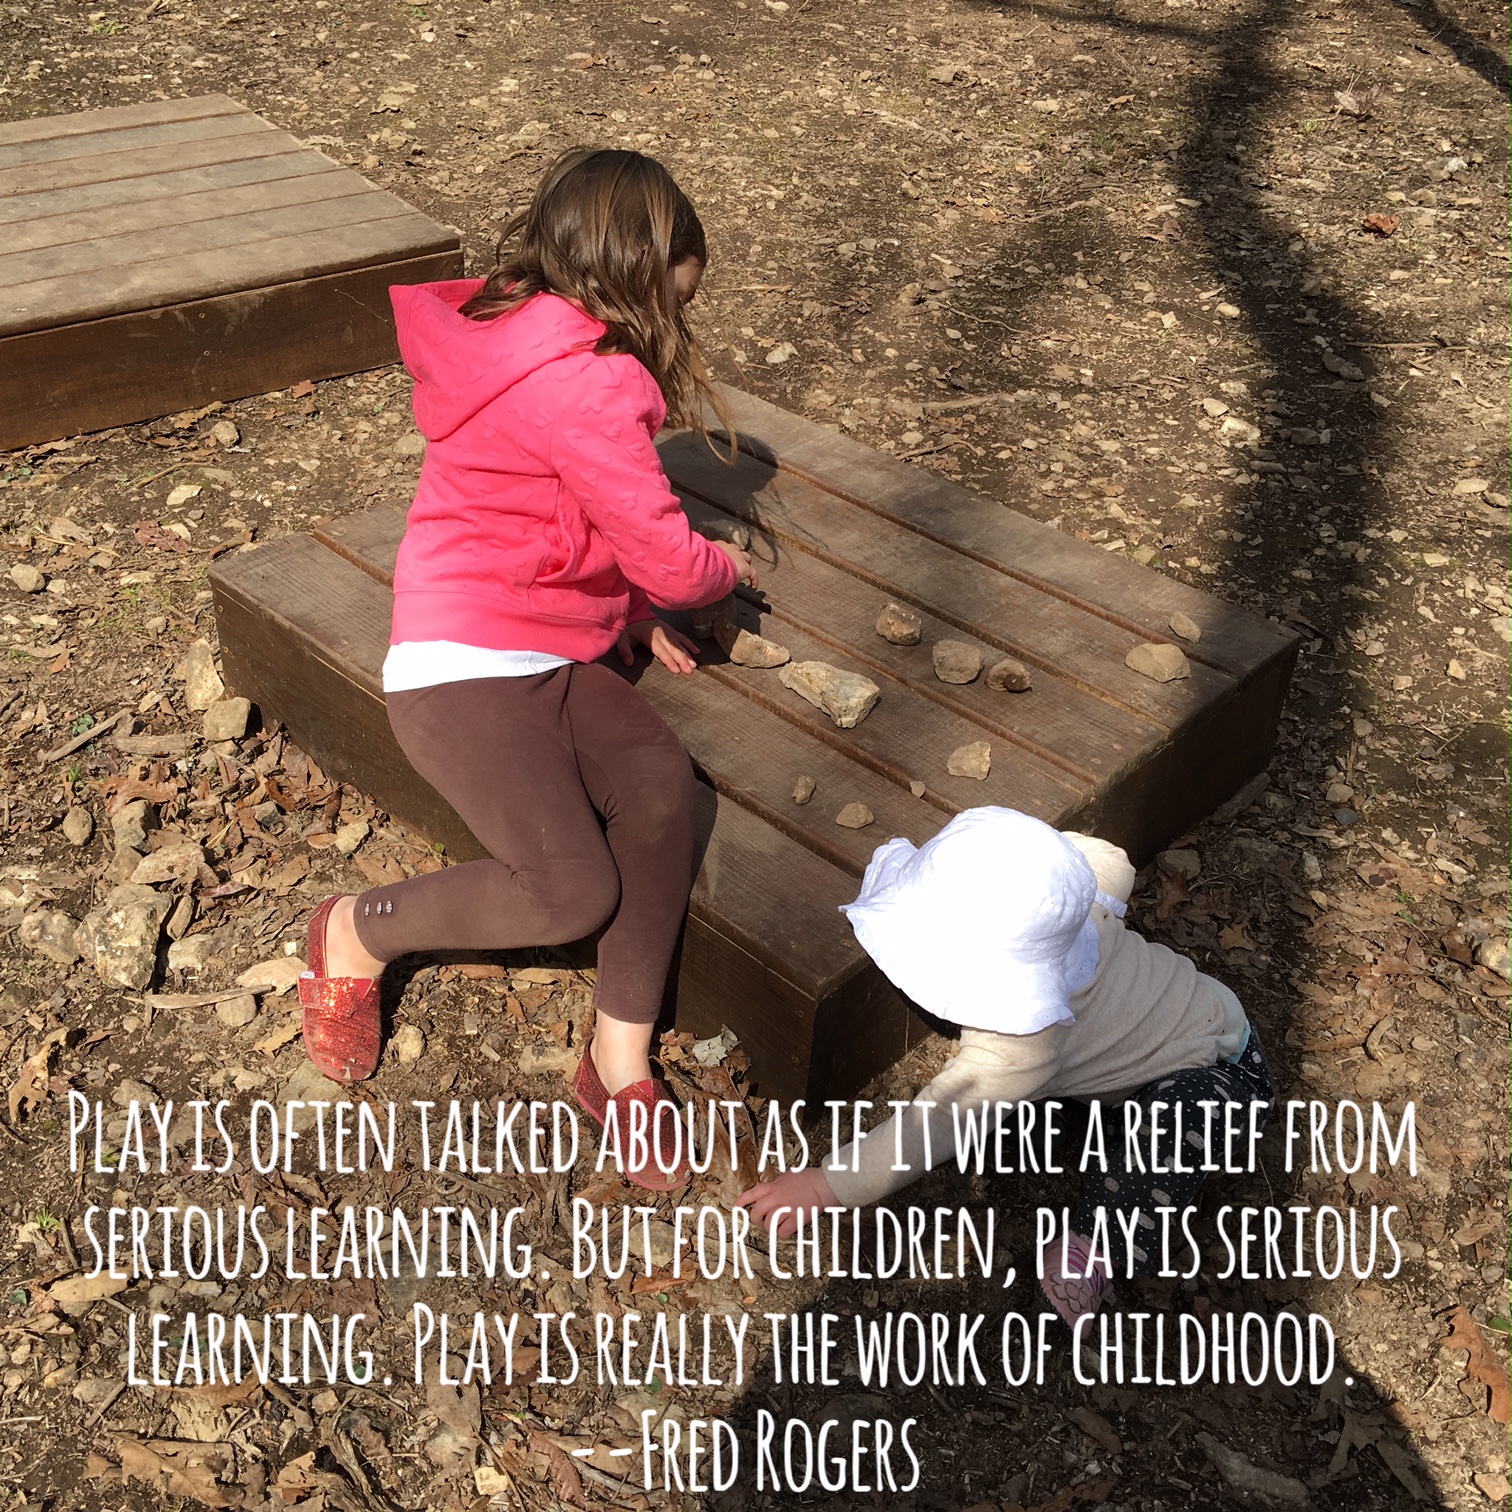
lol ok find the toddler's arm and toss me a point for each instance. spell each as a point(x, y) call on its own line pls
point(601, 449)
point(1111, 865)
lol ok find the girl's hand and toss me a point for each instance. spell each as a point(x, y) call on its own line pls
point(806, 1190)
point(671, 648)
point(742, 560)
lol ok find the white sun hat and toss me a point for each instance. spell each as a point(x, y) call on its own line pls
point(988, 925)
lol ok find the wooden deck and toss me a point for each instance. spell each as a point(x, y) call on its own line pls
point(839, 530)
point(161, 256)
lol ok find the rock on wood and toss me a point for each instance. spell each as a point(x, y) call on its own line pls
point(956, 662)
point(846, 697)
point(900, 626)
point(1159, 660)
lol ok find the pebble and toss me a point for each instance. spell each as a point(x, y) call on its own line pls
point(196, 670)
point(1338, 792)
point(181, 865)
point(974, 760)
point(181, 917)
point(1185, 626)
point(120, 937)
point(182, 495)
point(191, 954)
point(1181, 862)
point(1009, 676)
point(412, 445)
point(855, 816)
point(409, 1044)
point(1215, 408)
point(804, 789)
point(916, 788)
point(1228, 311)
point(956, 661)
point(237, 1012)
point(1312, 870)
point(1345, 817)
point(846, 697)
point(747, 650)
point(225, 433)
point(1455, 670)
point(78, 826)
point(1159, 660)
point(1235, 429)
point(899, 625)
point(350, 836)
point(27, 578)
point(276, 975)
point(50, 932)
point(226, 719)
point(1494, 956)
point(782, 352)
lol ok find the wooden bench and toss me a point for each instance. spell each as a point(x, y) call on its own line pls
point(160, 256)
point(839, 530)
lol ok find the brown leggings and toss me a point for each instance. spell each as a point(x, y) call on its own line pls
point(583, 799)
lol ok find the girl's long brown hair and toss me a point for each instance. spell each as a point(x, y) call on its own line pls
point(603, 229)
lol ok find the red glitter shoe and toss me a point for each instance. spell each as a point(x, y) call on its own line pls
point(594, 1098)
point(342, 1032)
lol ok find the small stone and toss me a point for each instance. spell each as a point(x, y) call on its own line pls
point(277, 975)
point(1455, 670)
point(78, 826)
point(916, 788)
point(191, 954)
point(1345, 817)
point(899, 625)
point(1228, 311)
point(1009, 676)
point(120, 937)
point(747, 650)
point(226, 719)
point(855, 816)
point(1312, 870)
point(1214, 408)
point(1180, 863)
point(27, 578)
point(804, 789)
point(409, 1044)
point(50, 932)
point(155, 624)
point(180, 865)
point(225, 433)
point(846, 697)
point(1463, 489)
point(703, 619)
point(350, 836)
point(1145, 555)
point(308, 1087)
point(1493, 955)
point(944, 73)
point(183, 494)
point(202, 684)
point(1232, 428)
point(1159, 660)
point(128, 825)
point(1185, 626)
point(974, 760)
point(1338, 792)
point(237, 1012)
point(181, 917)
point(412, 445)
point(956, 661)
point(782, 352)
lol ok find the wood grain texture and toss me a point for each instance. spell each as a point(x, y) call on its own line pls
point(118, 118)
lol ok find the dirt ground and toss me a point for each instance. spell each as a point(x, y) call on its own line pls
point(1217, 284)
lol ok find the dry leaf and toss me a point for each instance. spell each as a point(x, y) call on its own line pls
point(381, 871)
point(87, 1288)
point(175, 1469)
point(1482, 1364)
point(565, 1480)
point(1097, 1428)
point(1381, 225)
point(30, 1085)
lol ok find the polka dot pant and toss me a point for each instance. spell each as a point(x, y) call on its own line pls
point(1122, 1189)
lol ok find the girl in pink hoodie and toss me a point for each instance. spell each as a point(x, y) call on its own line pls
point(542, 534)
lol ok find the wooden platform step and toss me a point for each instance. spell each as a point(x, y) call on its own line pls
point(160, 256)
point(839, 530)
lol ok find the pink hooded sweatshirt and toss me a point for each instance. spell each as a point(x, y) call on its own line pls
point(543, 520)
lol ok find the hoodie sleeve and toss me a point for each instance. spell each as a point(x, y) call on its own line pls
point(601, 449)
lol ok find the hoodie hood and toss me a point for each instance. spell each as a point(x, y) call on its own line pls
point(460, 366)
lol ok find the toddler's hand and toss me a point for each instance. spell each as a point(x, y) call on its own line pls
point(793, 1190)
point(742, 560)
point(670, 647)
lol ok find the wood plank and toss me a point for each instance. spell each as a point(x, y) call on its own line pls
point(982, 600)
point(178, 280)
point(230, 233)
point(906, 737)
point(60, 204)
point(1233, 639)
point(158, 361)
point(162, 134)
point(164, 213)
point(117, 118)
point(110, 167)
